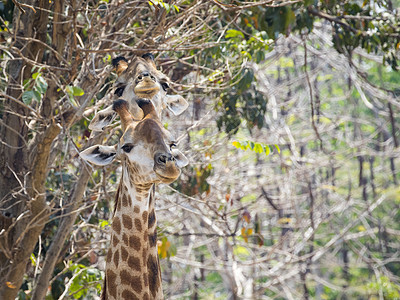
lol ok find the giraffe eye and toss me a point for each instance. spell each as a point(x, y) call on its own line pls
point(127, 147)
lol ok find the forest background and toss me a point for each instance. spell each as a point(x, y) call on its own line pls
point(292, 134)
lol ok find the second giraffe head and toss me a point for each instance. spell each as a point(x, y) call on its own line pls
point(145, 147)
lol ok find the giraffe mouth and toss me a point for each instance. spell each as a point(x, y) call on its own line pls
point(166, 179)
point(148, 94)
point(146, 88)
point(147, 91)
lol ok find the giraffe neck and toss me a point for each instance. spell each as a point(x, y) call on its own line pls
point(132, 267)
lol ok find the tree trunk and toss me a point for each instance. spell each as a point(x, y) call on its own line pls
point(24, 156)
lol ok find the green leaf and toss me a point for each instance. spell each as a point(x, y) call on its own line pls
point(232, 33)
point(74, 90)
point(260, 56)
point(69, 90)
point(37, 96)
point(73, 101)
point(258, 148)
point(236, 144)
point(246, 80)
point(33, 260)
point(251, 145)
point(77, 91)
point(267, 150)
point(41, 84)
point(28, 96)
point(103, 223)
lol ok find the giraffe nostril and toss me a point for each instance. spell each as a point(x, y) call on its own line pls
point(164, 158)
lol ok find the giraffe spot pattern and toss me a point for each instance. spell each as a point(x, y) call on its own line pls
point(123, 189)
point(111, 284)
point(151, 198)
point(152, 218)
point(115, 241)
point(138, 224)
point(144, 256)
point(125, 201)
point(116, 258)
point(136, 209)
point(152, 267)
point(116, 225)
point(134, 263)
point(153, 239)
point(134, 242)
point(118, 204)
point(125, 239)
point(133, 281)
point(127, 221)
point(144, 216)
point(146, 236)
point(124, 254)
point(109, 256)
point(128, 295)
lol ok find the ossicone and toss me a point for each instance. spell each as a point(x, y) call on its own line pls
point(116, 61)
point(120, 104)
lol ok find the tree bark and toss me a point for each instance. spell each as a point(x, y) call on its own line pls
point(64, 229)
point(23, 169)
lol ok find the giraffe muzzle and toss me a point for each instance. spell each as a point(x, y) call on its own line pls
point(165, 167)
point(146, 86)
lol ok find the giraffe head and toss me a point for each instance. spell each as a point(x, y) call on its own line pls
point(145, 148)
point(138, 79)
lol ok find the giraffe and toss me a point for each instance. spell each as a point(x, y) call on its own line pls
point(132, 264)
point(139, 79)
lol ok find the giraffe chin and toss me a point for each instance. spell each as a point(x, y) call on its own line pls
point(165, 179)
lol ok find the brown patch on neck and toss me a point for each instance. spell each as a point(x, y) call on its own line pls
point(153, 268)
point(117, 198)
point(104, 289)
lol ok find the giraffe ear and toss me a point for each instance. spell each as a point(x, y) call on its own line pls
point(180, 159)
point(102, 119)
point(176, 103)
point(99, 155)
